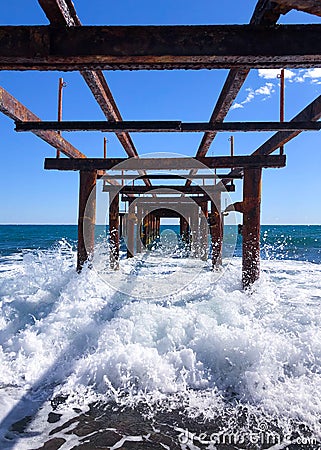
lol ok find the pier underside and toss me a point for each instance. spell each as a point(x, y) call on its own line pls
point(188, 189)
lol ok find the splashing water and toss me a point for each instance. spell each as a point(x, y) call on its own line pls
point(208, 349)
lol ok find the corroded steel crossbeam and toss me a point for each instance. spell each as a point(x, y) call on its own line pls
point(167, 201)
point(212, 162)
point(159, 47)
point(166, 126)
point(173, 177)
point(12, 108)
point(193, 189)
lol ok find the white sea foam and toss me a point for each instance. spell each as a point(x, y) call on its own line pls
point(209, 347)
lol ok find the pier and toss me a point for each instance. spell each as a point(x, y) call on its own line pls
point(66, 45)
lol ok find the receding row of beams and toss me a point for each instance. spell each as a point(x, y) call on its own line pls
point(159, 47)
point(211, 162)
point(167, 126)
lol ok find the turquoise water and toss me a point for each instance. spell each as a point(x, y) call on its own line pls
point(299, 242)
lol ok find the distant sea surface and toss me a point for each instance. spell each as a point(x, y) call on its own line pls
point(294, 242)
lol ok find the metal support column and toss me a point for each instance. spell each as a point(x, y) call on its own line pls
point(251, 225)
point(114, 231)
point(86, 216)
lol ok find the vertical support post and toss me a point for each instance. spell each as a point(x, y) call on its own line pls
point(139, 230)
point(157, 227)
point(130, 231)
point(282, 104)
point(231, 139)
point(154, 227)
point(181, 226)
point(203, 231)
point(194, 232)
point(121, 218)
point(251, 225)
point(216, 230)
point(184, 229)
point(86, 216)
point(105, 148)
point(61, 85)
point(150, 228)
point(147, 231)
point(114, 231)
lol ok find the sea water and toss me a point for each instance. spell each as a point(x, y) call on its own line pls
point(182, 343)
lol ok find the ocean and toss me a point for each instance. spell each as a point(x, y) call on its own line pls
point(164, 353)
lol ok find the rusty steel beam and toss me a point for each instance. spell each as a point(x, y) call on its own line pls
point(159, 47)
point(193, 189)
point(167, 126)
point(12, 108)
point(212, 162)
point(171, 201)
point(173, 177)
point(308, 6)
point(62, 13)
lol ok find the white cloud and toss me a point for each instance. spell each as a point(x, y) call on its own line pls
point(313, 76)
point(271, 74)
point(313, 73)
point(265, 91)
point(249, 97)
point(298, 76)
point(236, 106)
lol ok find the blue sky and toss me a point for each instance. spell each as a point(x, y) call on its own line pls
point(32, 195)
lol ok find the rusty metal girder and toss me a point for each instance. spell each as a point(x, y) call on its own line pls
point(165, 189)
point(167, 126)
point(210, 162)
point(154, 47)
point(12, 108)
point(308, 6)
